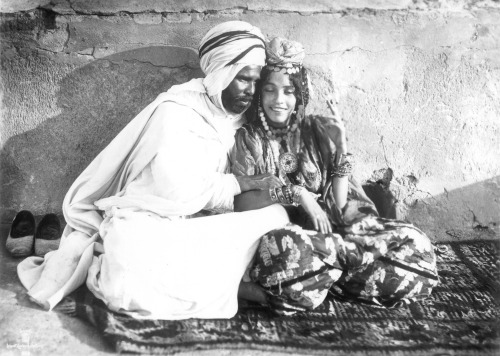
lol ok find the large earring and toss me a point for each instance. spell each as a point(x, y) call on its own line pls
point(262, 117)
point(300, 112)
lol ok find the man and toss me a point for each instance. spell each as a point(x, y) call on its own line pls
point(133, 206)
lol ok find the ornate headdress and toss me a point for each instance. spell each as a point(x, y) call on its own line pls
point(284, 55)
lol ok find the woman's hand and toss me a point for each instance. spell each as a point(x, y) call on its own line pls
point(258, 182)
point(317, 215)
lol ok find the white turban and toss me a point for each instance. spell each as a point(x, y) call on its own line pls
point(225, 50)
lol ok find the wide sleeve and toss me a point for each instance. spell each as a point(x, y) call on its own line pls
point(191, 163)
point(358, 204)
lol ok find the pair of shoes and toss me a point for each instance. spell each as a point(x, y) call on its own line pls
point(24, 239)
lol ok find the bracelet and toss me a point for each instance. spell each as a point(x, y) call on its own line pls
point(342, 171)
point(340, 159)
point(274, 197)
point(342, 164)
point(288, 193)
point(281, 196)
point(297, 191)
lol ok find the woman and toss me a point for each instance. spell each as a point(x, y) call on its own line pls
point(337, 241)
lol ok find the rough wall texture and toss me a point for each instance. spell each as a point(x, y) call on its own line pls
point(418, 81)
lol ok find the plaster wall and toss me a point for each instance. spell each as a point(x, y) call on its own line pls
point(418, 83)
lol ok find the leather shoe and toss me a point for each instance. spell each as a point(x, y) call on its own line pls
point(48, 235)
point(20, 240)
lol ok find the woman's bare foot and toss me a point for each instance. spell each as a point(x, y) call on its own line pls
point(253, 292)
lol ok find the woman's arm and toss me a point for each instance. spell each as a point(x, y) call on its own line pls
point(340, 187)
point(257, 199)
point(334, 129)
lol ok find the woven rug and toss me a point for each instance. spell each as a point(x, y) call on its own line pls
point(460, 318)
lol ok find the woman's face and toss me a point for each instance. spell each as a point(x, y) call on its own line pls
point(278, 98)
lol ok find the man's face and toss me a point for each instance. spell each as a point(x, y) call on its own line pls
point(238, 95)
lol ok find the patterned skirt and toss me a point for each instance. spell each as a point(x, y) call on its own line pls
point(373, 260)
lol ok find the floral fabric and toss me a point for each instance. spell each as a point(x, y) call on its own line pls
point(377, 261)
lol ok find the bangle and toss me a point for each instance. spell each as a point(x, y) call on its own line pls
point(297, 191)
point(342, 164)
point(288, 193)
point(274, 197)
point(342, 158)
point(342, 171)
point(281, 196)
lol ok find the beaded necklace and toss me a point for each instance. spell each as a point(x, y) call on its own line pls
point(286, 162)
point(277, 134)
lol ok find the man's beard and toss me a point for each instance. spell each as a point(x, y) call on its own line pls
point(237, 105)
point(241, 104)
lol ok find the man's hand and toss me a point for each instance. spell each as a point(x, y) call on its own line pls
point(258, 182)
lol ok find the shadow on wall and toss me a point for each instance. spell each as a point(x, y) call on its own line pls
point(469, 212)
point(95, 101)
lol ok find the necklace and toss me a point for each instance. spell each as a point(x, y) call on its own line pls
point(287, 161)
point(277, 134)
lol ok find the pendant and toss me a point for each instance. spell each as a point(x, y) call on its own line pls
point(288, 162)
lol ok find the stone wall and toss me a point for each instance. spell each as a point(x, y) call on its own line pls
point(418, 82)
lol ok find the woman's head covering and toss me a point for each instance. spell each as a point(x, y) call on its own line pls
point(225, 50)
point(284, 55)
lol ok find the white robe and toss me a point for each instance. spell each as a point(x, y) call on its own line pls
point(169, 163)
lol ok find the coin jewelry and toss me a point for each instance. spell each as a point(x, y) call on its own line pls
point(289, 162)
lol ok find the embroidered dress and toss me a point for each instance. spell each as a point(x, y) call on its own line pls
point(366, 258)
